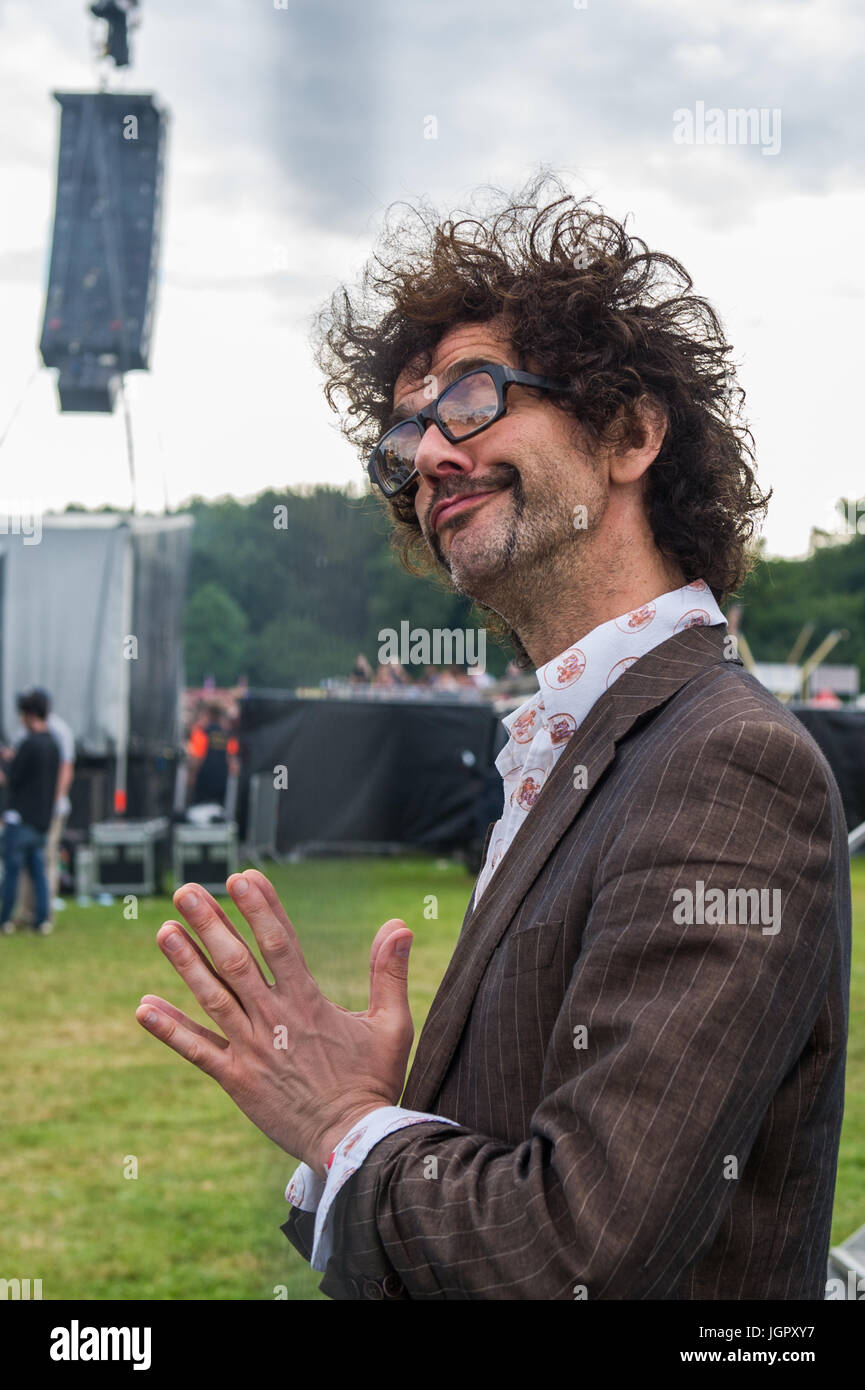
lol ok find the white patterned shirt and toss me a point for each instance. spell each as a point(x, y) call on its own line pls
point(568, 687)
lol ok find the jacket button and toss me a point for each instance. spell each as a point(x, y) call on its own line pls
point(353, 1287)
point(392, 1285)
point(371, 1289)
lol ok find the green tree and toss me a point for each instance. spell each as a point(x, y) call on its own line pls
point(292, 651)
point(215, 636)
point(826, 589)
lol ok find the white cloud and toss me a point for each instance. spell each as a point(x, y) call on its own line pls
point(291, 131)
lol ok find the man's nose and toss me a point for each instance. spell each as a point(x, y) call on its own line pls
point(436, 456)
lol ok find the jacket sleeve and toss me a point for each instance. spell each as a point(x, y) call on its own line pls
point(690, 1027)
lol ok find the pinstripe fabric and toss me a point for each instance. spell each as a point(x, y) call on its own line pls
point(684, 1145)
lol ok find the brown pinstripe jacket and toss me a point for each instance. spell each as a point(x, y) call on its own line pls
point(649, 1110)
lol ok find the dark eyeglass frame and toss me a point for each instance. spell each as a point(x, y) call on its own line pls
point(502, 378)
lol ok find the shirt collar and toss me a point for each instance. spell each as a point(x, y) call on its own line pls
point(571, 682)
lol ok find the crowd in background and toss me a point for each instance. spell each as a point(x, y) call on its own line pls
point(391, 674)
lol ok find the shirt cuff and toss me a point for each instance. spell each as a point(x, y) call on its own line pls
point(311, 1193)
point(305, 1188)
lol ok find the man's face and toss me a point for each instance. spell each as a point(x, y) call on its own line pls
point(513, 487)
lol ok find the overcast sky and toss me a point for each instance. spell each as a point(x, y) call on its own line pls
point(293, 128)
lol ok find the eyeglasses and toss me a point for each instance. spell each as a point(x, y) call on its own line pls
point(470, 404)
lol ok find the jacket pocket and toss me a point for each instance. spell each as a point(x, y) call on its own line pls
point(531, 948)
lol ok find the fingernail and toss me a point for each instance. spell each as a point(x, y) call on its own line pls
point(403, 947)
point(172, 941)
point(188, 901)
point(151, 1016)
point(240, 887)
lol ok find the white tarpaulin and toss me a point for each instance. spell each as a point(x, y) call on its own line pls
point(73, 593)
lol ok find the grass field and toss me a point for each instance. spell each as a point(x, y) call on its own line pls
point(86, 1091)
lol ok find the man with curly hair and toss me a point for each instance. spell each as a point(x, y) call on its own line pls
point(630, 1082)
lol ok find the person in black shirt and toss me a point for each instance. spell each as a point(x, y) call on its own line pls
point(31, 777)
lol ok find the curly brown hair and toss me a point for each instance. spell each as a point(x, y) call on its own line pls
point(585, 300)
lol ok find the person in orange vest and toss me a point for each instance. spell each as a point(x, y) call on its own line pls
point(213, 752)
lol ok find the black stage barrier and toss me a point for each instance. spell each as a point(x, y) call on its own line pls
point(841, 736)
point(421, 773)
point(378, 772)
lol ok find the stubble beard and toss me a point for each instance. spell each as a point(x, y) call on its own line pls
point(509, 565)
point(477, 562)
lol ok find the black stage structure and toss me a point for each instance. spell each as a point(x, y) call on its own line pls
point(364, 775)
point(379, 775)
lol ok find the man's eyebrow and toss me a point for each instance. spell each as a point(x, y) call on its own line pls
point(449, 375)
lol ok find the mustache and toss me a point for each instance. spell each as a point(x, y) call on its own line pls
point(498, 478)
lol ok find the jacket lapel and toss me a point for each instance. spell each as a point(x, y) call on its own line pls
point(652, 680)
point(490, 828)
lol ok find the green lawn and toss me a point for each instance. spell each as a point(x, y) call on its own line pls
point(849, 1211)
point(85, 1090)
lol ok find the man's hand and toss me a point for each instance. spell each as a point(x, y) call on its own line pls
point(302, 1068)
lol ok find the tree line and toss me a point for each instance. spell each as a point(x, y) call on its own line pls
point(288, 587)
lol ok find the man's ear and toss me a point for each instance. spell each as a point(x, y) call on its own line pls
point(641, 440)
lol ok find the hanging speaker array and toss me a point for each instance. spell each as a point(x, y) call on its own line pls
point(105, 250)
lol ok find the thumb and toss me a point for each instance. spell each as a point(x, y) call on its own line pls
point(389, 983)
